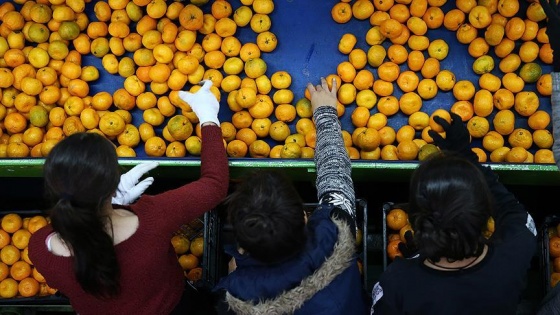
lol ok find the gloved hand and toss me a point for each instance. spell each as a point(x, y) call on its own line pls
point(203, 103)
point(129, 188)
point(553, 30)
point(408, 249)
point(457, 138)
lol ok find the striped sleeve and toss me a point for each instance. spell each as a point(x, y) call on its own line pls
point(334, 181)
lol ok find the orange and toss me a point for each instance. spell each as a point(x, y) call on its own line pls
point(503, 99)
point(396, 219)
point(407, 150)
point(453, 19)
point(393, 249)
point(346, 43)
point(407, 81)
point(478, 47)
point(10, 254)
point(433, 17)
point(445, 80)
point(410, 103)
point(543, 139)
point(526, 103)
point(513, 82)
point(402, 39)
point(463, 90)
point(5, 238)
point(382, 87)
point(20, 238)
point(341, 12)
point(362, 9)
point(544, 84)
point(360, 116)
point(191, 17)
point(28, 287)
point(11, 222)
point(4, 271)
point(483, 103)
point(155, 146)
point(8, 288)
point(464, 109)
point(377, 121)
point(504, 121)
point(259, 149)
point(492, 141)
point(517, 155)
point(237, 148)
point(466, 33)
point(197, 246)
point(195, 274)
point(539, 120)
point(415, 60)
point(397, 53)
point(419, 120)
point(20, 270)
point(545, 53)
point(358, 58)
point(442, 113)
point(368, 139)
point(427, 89)
point(388, 71)
point(554, 246)
point(188, 261)
point(544, 156)
point(478, 126)
point(180, 244)
point(494, 34)
point(430, 68)
point(391, 28)
point(521, 137)
point(515, 28)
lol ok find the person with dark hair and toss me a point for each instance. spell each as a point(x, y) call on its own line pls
point(113, 258)
point(286, 263)
point(456, 269)
point(551, 302)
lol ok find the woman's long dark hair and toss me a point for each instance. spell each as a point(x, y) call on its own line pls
point(81, 175)
point(450, 204)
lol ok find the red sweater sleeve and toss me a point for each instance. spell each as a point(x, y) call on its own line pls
point(171, 209)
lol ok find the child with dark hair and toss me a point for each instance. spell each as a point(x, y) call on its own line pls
point(456, 269)
point(287, 263)
point(106, 256)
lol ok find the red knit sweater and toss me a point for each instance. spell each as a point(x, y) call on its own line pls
point(152, 281)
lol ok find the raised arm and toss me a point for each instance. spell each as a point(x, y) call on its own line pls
point(507, 209)
point(334, 181)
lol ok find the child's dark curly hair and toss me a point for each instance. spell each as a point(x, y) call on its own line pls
point(267, 215)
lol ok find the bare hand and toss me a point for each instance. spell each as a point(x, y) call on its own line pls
point(321, 95)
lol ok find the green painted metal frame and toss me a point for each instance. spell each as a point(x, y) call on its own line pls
point(363, 171)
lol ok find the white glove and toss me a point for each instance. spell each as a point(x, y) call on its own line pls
point(203, 103)
point(129, 188)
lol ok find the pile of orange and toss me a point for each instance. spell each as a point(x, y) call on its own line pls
point(554, 254)
point(397, 222)
point(496, 33)
point(158, 47)
point(18, 276)
point(189, 250)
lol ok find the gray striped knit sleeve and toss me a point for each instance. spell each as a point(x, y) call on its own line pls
point(555, 102)
point(331, 159)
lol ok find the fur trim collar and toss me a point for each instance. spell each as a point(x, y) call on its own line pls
point(290, 301)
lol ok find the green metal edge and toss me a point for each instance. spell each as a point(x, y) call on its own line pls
point(362, 171)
